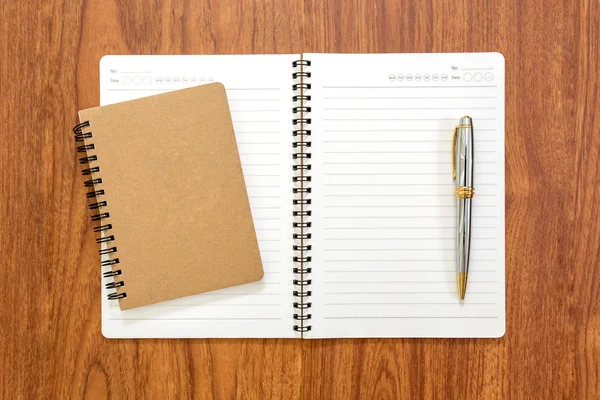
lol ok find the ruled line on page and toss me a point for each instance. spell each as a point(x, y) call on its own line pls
point(261, 131)
point(409, 260)
point(234, 110)
point(266, 283)
point(259, 143)
point(197, 319)
point(404, 195)
point(410, 304)
point(443, 140)
point(403, 119)
point(163, 89)
point(390, 184)
point(411, 87)
point(436, 206)
point(257, 121)
point(412, 317)
point(404, 97)
point(406, 238)
point(402, 227)
point(397, 173)
point(396, 162)
point(258, 154)
point(395, 282)
point(403, 184)
point(396, 217)
point(402, 292)
point(234, 100)
point(392, 260)
point(242, 294)
point(389, 195)
point(395, 271)
point(263, 88)
point(402, 130)
point(406, 249)
point(403, 108)
point(210, 305)
point(402, 152)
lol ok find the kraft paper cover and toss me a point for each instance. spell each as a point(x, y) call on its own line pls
point(176, 195)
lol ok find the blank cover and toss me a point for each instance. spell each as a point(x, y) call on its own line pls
point(179, 221)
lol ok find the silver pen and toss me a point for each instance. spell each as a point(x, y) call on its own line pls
point(462, 165)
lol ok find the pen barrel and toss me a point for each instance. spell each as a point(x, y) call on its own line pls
point(464, 160)
point(463, 235)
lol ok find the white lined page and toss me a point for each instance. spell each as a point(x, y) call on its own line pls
point(259, 95)
point(384, 209)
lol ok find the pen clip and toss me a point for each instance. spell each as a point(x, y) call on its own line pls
point(454, 153)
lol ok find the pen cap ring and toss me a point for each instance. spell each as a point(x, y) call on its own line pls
point(465, 192)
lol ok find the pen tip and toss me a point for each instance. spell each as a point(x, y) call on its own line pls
point(462, 284)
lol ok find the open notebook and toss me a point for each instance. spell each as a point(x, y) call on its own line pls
point(347, 164)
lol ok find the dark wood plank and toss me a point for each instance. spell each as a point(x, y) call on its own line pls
point(50, 340)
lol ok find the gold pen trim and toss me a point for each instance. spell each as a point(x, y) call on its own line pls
point(461, 280)
point(465, 192)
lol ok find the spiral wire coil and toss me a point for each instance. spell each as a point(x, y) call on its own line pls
point(301, 194)
point(99, 204)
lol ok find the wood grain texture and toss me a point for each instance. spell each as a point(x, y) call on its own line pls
point(50, 340)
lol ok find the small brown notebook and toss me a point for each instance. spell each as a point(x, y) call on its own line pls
point(169, 198)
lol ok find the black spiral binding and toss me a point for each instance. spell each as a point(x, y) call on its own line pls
point(98, 204)
point(301, 191)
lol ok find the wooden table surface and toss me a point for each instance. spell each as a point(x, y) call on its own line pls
point(50, 340)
